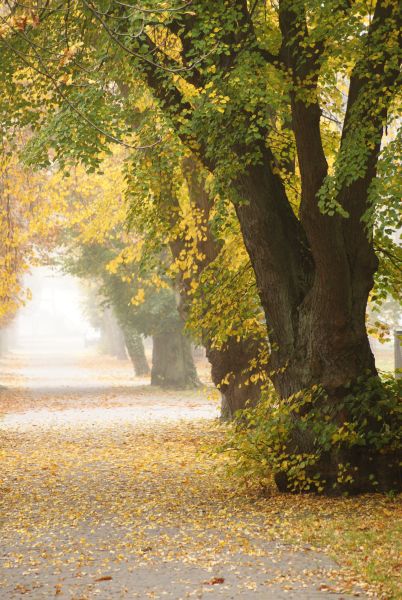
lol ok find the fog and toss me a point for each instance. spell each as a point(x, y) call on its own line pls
point(54, 321)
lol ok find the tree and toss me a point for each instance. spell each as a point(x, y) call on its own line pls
point(156, 315)
point(136, 351)
point(24, 219)
point(236, 360)
point(89, 215)
point(172, 207)
point(315, 264)
point(130, 341)
point(252, 88)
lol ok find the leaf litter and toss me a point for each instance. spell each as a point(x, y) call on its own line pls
point(99, 506)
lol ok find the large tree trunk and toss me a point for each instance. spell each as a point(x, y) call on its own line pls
point(135, 349)
point(172, 361)
point(339, 360)
point(316, 320)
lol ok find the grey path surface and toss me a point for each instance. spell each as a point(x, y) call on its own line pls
point(86, 512)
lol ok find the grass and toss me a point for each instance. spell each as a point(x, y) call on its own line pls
point(363, 534)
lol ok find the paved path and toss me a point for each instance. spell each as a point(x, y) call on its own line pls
point(106, 492)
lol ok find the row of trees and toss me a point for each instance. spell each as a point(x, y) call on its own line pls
point(260, 162)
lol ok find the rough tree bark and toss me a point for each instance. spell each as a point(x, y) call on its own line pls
point(231, 364)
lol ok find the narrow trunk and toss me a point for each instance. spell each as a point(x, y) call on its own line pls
point(120, 351)
point(112, 336)
point(172, 361)
point(135, 349)
point(7, 337)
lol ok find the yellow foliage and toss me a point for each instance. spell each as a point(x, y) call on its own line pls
point(25, 213)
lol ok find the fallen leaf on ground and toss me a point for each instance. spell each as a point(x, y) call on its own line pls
point(215, 580)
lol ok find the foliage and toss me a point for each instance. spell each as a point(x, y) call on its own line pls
point(205, 70)
point(260, 441)
point(156, 310)
point(222, 299)
point(96, 245)
point(26, 229)
point(386, 212)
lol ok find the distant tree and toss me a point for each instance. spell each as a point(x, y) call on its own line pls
point(155, 315)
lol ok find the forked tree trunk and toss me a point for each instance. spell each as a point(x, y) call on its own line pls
point(135, 349)
point(314, 277)
point(172, 361)
point(316, 318)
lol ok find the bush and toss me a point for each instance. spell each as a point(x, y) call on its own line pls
point(292, 436)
